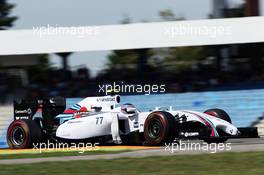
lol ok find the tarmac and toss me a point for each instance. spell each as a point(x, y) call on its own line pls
point(184, 148)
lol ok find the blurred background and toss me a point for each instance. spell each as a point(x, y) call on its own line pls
point(225, 76)
point(182, 69)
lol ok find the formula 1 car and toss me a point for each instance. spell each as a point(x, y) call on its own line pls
point(104, 120)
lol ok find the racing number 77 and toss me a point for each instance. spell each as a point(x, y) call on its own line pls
point(99, 120)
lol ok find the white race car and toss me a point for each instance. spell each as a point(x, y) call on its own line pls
point(104, 120)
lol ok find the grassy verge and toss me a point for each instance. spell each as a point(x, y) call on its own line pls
point(57, 154)
point(206, 164)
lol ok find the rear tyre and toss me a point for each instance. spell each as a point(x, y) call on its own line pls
point(218, 113)
point(23, 134)
point(159, 128)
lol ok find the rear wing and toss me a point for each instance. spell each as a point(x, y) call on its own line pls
point(27, 108)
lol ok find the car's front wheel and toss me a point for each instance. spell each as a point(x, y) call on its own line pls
point(219, 113)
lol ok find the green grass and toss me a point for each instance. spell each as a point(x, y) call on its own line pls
point(57, 154)
point(206, 164)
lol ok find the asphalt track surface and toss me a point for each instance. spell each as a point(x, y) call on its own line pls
point(236, 145)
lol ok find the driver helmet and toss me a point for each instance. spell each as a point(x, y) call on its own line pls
point(125, 108)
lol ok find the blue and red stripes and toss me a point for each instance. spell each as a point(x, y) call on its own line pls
point(76, 107)
point(206, 122)
point(72, 109)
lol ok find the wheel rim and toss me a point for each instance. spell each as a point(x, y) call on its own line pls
point(155, 128)
point(18, 136)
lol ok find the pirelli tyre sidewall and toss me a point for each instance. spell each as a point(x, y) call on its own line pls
point(22, 134)
point(159, 128)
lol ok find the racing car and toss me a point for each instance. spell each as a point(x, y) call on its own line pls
point(107, 121)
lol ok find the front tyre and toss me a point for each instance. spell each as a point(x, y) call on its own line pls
point(219, 113)
point(23, 134)
point(159, 128)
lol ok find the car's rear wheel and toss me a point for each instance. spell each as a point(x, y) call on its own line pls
point(23, 134)
point(159, 128)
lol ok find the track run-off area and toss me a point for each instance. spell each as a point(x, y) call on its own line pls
point(232, 145)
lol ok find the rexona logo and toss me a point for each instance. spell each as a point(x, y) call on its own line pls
point(25, 111)
point(107, 99)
